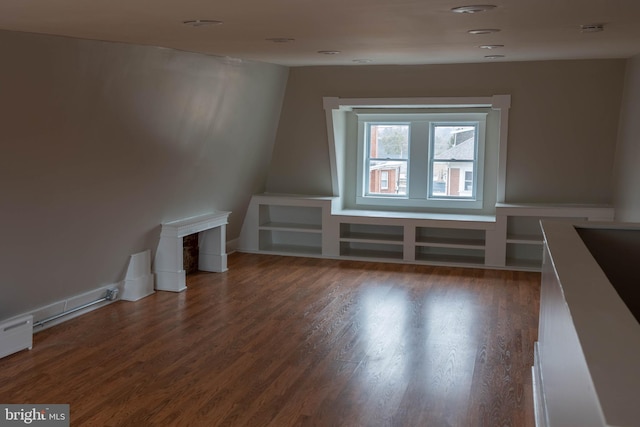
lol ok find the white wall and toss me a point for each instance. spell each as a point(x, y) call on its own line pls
point(627, 170)
point(102, 142)
point(562, 130)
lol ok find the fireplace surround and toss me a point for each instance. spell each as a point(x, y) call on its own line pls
point(168, 265)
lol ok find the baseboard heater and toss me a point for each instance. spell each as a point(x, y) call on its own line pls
point(16, 335)
point(111, 295)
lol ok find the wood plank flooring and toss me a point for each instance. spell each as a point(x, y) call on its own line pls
point(281, 341)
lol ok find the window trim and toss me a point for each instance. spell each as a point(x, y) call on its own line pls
point(335, 109)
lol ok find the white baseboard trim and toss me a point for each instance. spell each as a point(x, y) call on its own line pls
point(232, 246)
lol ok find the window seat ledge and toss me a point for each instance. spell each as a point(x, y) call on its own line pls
point(420, 218)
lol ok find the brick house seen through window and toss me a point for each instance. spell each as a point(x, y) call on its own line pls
point(388, 152)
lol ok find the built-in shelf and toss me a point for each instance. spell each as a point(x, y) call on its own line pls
point(444, 242)
point(371, 241)
point(317, 226)
point(371, 233)
point(523, 264)
point(450, 246)
point(525, 239)
point(459, 258)
point(283, 249)
point(290, 229)
point(371, 238)
point(521, 224)
point(370, 252)
point(288, 226)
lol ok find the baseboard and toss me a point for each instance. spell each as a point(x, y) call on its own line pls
point(232, 246)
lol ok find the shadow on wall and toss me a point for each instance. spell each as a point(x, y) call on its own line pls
point(103, 142)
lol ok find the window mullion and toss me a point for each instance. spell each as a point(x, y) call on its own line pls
point(418, 160)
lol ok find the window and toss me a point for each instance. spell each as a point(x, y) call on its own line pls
point(384, 180)
point(420, 187)
point(420, 159)
point(468, 180)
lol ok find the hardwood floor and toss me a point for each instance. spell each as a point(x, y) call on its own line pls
point(280, 341)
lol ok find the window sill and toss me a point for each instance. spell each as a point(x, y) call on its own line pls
point(399, 203)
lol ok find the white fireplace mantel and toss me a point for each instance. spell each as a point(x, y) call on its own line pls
point(170, 274)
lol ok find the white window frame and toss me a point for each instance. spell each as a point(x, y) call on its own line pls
point(336, 110)
point(478, 155)
point(365, 184)
point(420, 159)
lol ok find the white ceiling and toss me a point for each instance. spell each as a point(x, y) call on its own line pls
point(382, 31)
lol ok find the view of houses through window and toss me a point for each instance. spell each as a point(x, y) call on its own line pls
point(452, 157)
point(388, 158)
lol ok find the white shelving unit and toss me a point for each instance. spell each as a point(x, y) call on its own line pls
point(520, 225)
point(285, 225)
point(418, 238)
point(316, 227)
point(286, 229)
point(371, 241)
point(450, 246)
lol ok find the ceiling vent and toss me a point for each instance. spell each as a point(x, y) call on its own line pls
point(592, 28)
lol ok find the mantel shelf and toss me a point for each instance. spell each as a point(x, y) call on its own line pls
point(186, 226)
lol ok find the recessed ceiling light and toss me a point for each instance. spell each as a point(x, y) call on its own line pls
point(280, 39)
point(474, 9)
point(329, 52)
point(494, 56)
point(484, 31)
point(491, 46)
point(592, 28)
point(201, 22)
point(363, 61)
